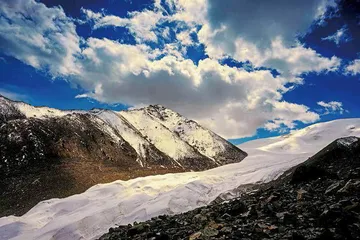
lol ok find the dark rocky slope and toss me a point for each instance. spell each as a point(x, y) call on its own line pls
point(58, 157)
point(319, 199)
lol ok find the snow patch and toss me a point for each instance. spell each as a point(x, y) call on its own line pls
point(39, 112)
point(206, 142)
point(346, 142)
point(308, 139)
point(125, 130)
point(156, 133)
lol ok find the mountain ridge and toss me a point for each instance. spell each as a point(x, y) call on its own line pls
point(84, 148)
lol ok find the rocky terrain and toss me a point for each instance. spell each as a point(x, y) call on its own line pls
point(60, 153)
point(318, 199)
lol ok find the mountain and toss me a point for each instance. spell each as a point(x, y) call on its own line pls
point(318, 199)
point(307, 139)
point(59, 153)
point(90, 214)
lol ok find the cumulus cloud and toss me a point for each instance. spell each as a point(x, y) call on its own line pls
point(231, 101)
point(332, 107)
point(44, 38)
point(259, 22)
point(265, 34)
point(141, 24)
point(184, 37)
point(353, 68)
point(339, 36)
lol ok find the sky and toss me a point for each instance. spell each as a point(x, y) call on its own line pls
point(244, 69)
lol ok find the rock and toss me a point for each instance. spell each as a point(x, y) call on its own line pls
point(345, 202)
point(226, 216)
point(286, 218)
point(333, 188)
point(306, 173)
point(273, 228)
point(209, 232)
point(226, 230)
point(273, 197)
point(302, 195)
point(199, 218)
point(161, 236)
point(268, 208)
point(351, 186)
point(325, 235)
point(237, 208)
point(297, 236)
point(251, 213)
point(328, 216)
point(239, 234)
point(138, 228)
point(353, 207)
point(215, 225)
point(194, 236)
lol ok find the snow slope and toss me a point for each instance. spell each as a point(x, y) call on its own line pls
point(40, 112)
point(307, 139)
point(163, 139)
point(7, 105)
point(90, 214)
point(205, 141)
point(129, 133)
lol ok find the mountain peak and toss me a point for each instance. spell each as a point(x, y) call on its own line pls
point(78, 149)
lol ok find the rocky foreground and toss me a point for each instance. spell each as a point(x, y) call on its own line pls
point(319, 199)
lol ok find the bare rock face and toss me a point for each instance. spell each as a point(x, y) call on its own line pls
point(58, 153)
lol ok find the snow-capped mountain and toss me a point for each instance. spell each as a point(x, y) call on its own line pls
point(153, 133)
point(82, 148)
point(92, 213)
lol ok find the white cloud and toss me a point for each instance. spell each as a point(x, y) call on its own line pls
point(290, 61)
point(191, 12)
point(165, 33)
point(264, 33)
point(42, 37)
point(339, 36)
point(260, 22)
point(184, 37)
point(353, 68)
point(141, 24)
point(332, 107)
point(231, 101)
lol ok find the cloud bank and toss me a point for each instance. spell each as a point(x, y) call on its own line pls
point(231, 101)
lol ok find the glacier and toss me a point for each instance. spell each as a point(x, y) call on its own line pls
point(90, 214)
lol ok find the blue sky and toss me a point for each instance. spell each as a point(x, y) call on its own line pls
point(245, 69)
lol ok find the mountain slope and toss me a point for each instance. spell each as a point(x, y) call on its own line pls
point(92, 213)
point(307, 139)
point(60, 153)
point(205, 141)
